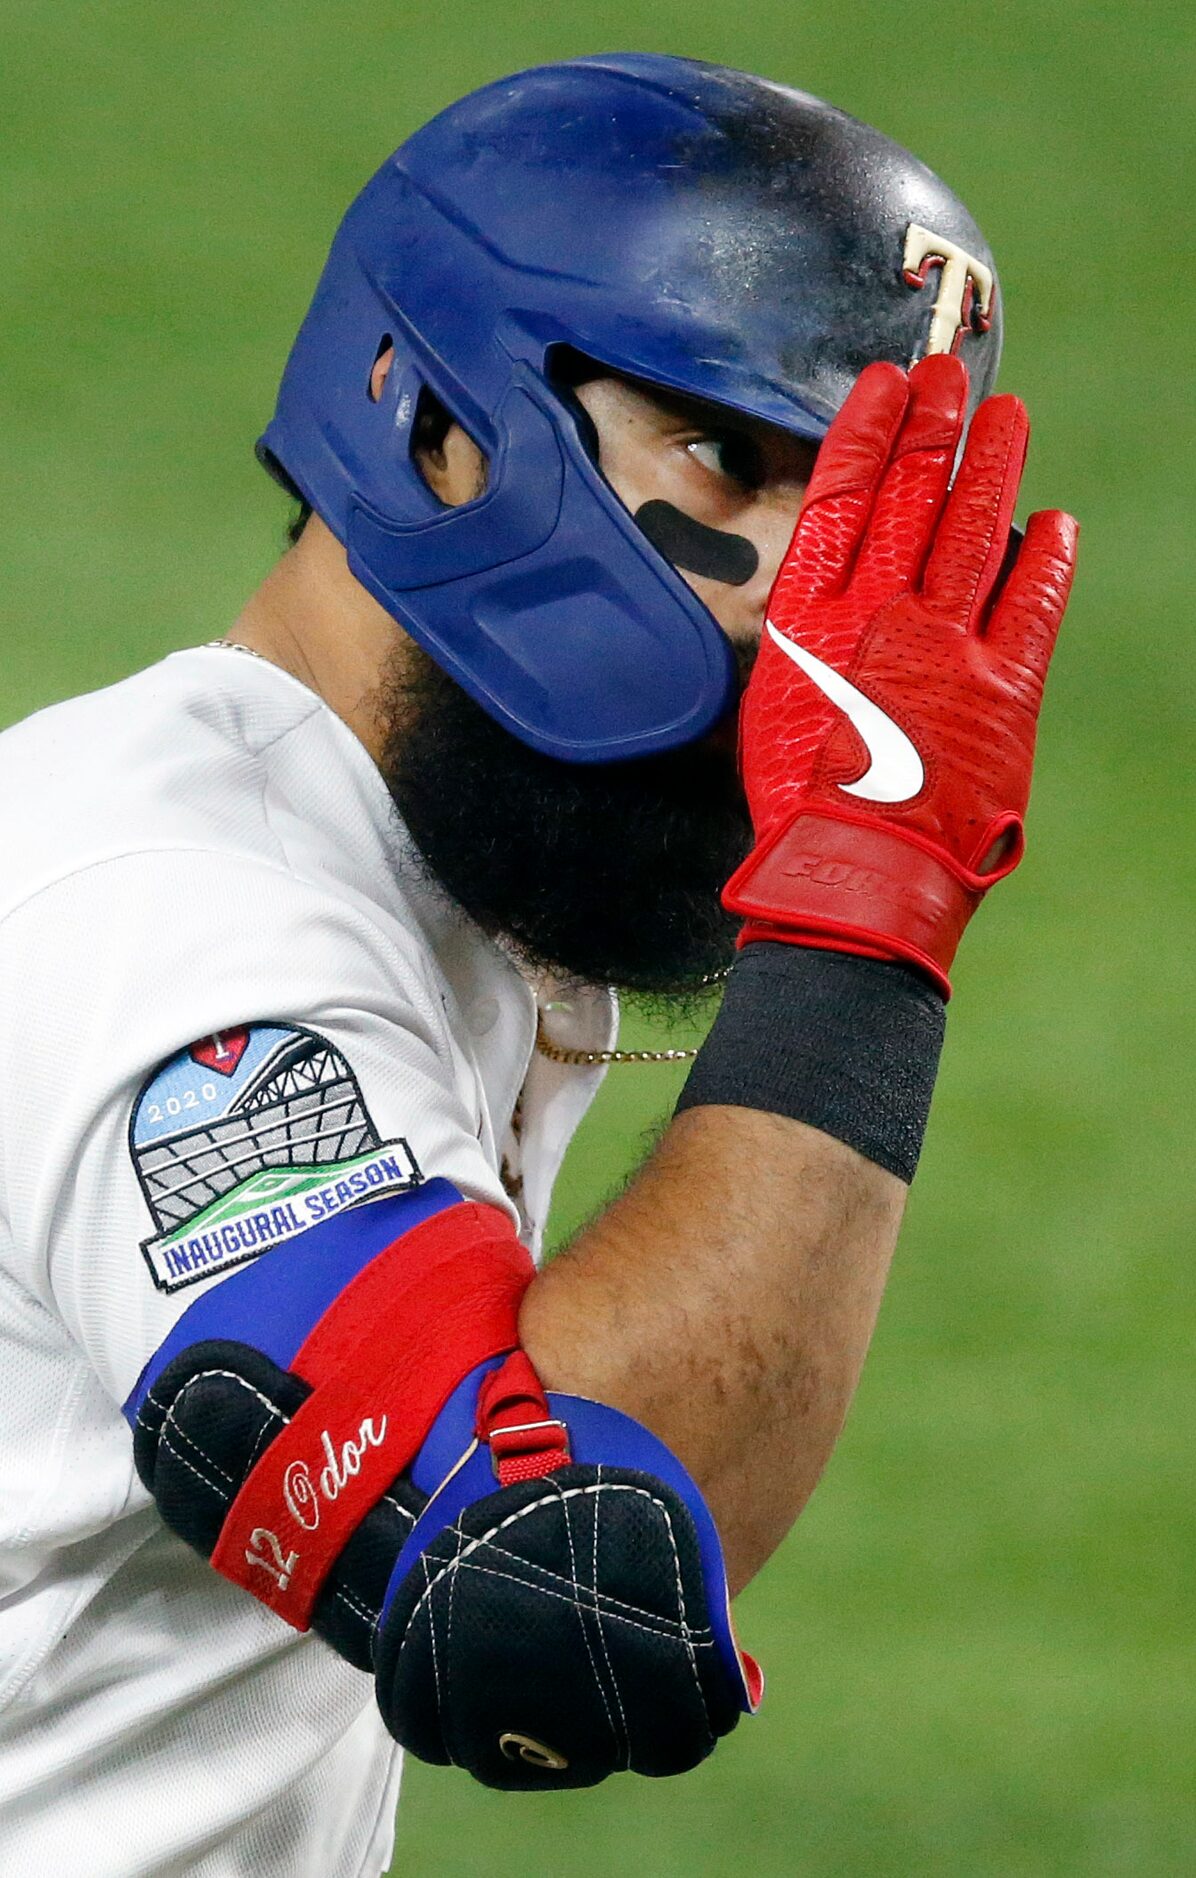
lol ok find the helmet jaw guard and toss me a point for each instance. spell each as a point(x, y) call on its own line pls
point(541, 587)
point(542, 598)
point(628, 209)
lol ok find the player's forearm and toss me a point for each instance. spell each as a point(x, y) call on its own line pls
point(727, 1300)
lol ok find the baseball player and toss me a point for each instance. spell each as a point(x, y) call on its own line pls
point(307, 941)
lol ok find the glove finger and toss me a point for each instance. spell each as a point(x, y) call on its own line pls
point(1025, 621)
point(911, 495)
point(839, 499)
point(970, 542)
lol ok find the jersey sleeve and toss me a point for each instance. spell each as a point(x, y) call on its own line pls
point(203, 1059)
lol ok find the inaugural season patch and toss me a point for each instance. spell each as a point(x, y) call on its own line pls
point(247, 1139)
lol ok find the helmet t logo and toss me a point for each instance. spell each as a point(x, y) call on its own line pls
point(964, 300)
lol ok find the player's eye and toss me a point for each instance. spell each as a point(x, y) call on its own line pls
point(730, 455)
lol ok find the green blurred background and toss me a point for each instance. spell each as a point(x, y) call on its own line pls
point(979, 1639)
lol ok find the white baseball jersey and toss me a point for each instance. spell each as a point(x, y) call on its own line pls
point(231, 1006)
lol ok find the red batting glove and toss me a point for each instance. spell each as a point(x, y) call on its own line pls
point(887, 734)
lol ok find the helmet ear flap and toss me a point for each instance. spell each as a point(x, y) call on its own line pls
point(513, 593)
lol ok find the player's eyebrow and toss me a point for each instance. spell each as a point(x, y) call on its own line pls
point(702, 413)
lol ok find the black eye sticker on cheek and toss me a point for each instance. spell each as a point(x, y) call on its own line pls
point(713, 553)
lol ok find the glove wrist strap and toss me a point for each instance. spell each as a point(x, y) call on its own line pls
point(881, 891)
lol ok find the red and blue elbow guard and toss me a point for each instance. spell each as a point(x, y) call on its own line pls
point(348, 1429)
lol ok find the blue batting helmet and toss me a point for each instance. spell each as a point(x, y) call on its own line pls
point(685, 224)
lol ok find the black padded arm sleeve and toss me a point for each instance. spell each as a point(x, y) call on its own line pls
point(849, 1045)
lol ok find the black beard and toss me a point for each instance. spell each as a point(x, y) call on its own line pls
point(606, 873)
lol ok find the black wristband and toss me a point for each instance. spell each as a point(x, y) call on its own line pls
point(849, 1045)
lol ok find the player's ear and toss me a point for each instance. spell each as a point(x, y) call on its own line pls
point(381, 368)
point(447, 458)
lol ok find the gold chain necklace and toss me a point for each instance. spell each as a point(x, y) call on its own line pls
point(590, 1059)
point(234, 645)
point(593, 1059)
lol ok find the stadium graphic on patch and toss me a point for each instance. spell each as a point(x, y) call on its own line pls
point(247, 1139)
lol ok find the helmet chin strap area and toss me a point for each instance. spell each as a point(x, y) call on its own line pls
point(714, 553)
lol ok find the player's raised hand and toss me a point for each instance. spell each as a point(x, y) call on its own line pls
point(888, 730)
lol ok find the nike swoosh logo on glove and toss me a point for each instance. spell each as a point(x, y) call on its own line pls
point(895, 772)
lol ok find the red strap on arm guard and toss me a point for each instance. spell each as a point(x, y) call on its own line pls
point(382, 1361)
point(525, 1440)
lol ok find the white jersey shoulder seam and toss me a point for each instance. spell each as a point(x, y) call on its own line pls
point(256, 862)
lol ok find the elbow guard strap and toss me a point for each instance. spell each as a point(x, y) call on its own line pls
point(570, 1624)
point(267, 1447)
point(381, 1364)
point(535, 1581)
